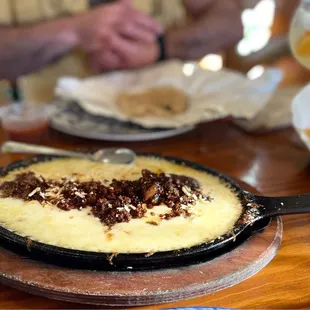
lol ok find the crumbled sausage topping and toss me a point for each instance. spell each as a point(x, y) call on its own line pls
point(116, 202)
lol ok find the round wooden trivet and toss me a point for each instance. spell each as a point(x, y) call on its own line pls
point(145, 287)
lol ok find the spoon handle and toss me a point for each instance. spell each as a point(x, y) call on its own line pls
point(17, 147)
point(284, 205)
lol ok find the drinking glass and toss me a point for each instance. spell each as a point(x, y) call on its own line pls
point(299, 36)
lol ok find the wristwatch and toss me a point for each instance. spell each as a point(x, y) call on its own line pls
point(162, 48)
point(94, 3)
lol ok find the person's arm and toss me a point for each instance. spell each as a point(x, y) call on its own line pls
point(214, 25)
point(26, 49)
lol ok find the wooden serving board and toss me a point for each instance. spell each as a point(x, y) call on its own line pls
point(142, 287)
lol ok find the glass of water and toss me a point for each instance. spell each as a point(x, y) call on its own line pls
point(299, 36)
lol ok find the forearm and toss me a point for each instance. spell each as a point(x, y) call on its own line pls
point(212, 29)
point(26, 49)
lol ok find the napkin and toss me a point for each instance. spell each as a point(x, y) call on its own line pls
point(212, 95)
point(277, 114)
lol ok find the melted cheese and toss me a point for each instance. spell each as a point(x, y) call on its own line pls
point(82, 231)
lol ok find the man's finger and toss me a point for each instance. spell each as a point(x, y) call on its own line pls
point(145, 21)
point(136, 33)
point(127, 3)
point(105, 60)
point(124, 47)
point(110, 58)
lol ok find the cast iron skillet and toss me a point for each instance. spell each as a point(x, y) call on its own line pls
point(256, 216)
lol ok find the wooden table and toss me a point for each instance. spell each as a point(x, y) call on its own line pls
point(274, 164)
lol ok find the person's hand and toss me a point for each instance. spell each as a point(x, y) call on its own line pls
point(213, 26)
point(141, 55)
point(115, 27)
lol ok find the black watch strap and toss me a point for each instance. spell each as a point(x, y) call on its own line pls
point(162, 48)
point(94, 3)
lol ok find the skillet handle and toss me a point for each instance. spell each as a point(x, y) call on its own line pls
point(284, 205)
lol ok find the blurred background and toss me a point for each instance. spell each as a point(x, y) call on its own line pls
point(265, 43)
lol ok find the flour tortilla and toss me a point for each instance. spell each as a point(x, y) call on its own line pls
point(159, 102)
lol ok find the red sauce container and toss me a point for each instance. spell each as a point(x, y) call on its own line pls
point(25, 122)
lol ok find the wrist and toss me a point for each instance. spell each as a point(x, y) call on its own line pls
point(74, 31)
point(152, 52)
point(170, 47)
point(70, 36)
point(62, 30)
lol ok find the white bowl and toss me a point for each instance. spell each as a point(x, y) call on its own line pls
point(301, 114)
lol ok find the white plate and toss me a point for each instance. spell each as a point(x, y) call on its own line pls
point(71, 119)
